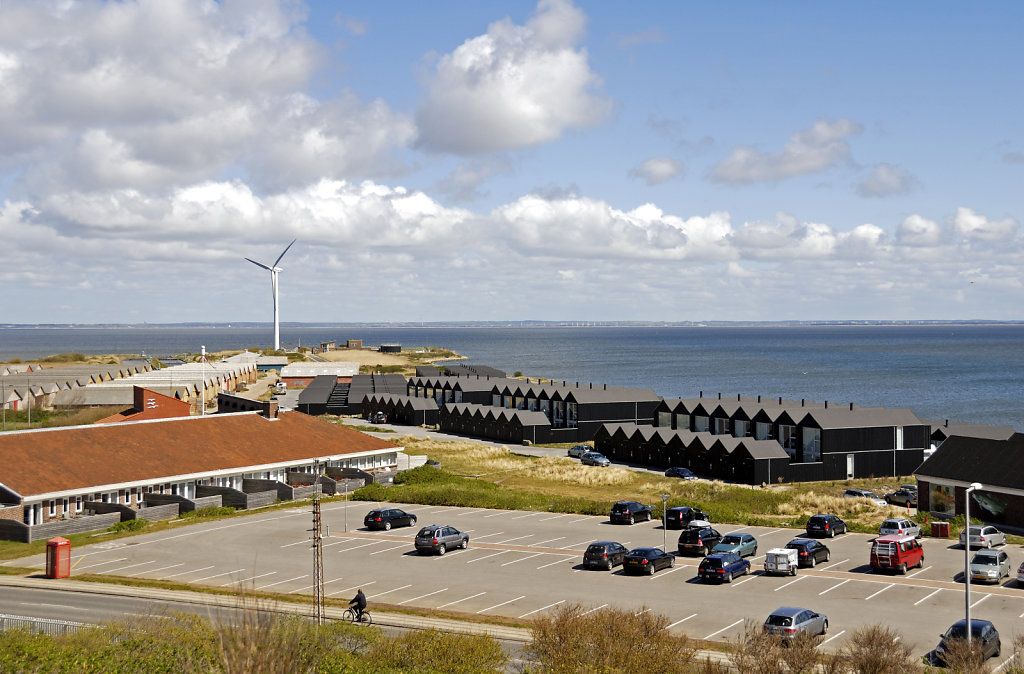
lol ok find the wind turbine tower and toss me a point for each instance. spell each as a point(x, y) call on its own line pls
point(274, 270)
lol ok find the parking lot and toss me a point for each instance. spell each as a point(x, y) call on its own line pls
point(521, 564)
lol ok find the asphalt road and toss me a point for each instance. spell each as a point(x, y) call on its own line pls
point(521, 564)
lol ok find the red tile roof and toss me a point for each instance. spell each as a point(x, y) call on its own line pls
point(82, 457)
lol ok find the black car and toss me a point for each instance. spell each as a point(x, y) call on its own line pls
point(684, 473)
point(385, 518)
point(809, 552)
point(722, 567)
point(825, 525)
point(698, 540)
point(629, 512)
point(378, 418)
point(983, 633)
point(681, 516)
point(604, 554)
point(902, 497)
point(647, 560)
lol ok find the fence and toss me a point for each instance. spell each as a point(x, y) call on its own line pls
point(44, 625)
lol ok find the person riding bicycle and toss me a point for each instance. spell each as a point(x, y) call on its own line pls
point(360, 604)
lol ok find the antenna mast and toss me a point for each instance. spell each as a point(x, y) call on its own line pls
point(318, 550)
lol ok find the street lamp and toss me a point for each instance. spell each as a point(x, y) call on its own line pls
point(664, 522)
point(967, 555)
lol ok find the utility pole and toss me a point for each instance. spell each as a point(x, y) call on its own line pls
point(318, 550)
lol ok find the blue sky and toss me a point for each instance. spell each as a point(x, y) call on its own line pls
point(477, 161)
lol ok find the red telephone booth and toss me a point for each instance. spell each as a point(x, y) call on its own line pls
point(58, 558)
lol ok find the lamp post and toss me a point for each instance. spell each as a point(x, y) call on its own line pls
point(967, 555)
point(664, 522)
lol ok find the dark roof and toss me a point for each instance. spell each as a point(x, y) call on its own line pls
point(943, 429)
point(996, 463)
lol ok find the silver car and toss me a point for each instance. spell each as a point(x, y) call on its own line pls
point(787, 621)
point(576, 451)
point(899, 526)
point(983, 536)
point(865, 493)
point(990, 566)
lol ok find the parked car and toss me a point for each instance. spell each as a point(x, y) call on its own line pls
point(900, 526)
point(385, 518)
point(896, 553)
point(698, 540)
point(722, 567)
point(629, 512)
point(681, 516)
point(865, 493)
point(781, 562)
point(902, 497)
point(684, 473)
point(909, 487)
point(990, 566)
point(743, 545)
point(378, 418)
point(983, 633)
point(825, 525)
point(1020, 574)
point(576, 451)
point(604, 554)
point(647, 560)
point(809, 552)
point(788, 621)
point(594, 459)
point(439, 539)
point(983, 536)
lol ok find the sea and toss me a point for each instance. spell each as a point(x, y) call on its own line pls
point(957, 372)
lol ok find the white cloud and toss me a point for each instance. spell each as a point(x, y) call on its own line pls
point(886, 180)
point(916, 230)
point(463, 183)
point(657, 170)
point(817, 149)
point(977, 227)
point(513, 87)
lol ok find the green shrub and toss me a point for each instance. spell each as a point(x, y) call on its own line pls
point(371, 492)
point(64, 358)
point(209, 511)
point(432, 651)
point(137, 524)
point(424, 474)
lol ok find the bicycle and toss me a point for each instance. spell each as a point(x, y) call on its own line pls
point(350, 616)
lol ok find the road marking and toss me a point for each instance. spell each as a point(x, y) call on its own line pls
point(281, 582)
point(288, 545)
point(1004, 663)
point(560, 601)
point(583, 519)
point(835, 586)
point(356, 547)
point(349, 589)
point(170, 566)
point(473, 596)
point(60, 606)
point(109, 561)
point(395, 589)
point(593, 609)
point(550, 540)
point(773, 531)
point(555, 517)
point(560, 561)
point(980, 600)
point(509, 540)
point(928, 597)
point(920, 571)
point(834, 636)
point(526, 515)
point(422, 596)
point(477, 538)
point(749, 577)
point(245, 580)
point(798, 578)
point(173, 575)
point(122, 568)
point(825, 568)
point(668, 627)
point(226, 573)
point(340, 541)
point(502, 552)
point(724, 629)
point(503, 512)
point(641, 612)
point(662, 575)
point(734, 531)
point(502, 604)
point(403, 545)
point(566, 547)
point(472, 512)
point(523, 559)
point(880, 591)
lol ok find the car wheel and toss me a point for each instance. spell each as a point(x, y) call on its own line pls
point(650, 569)
point(832, 533)
point(824, 627)
point(608, 565)
point(828, 556)
point(792, 571)
point(988, 545)
point(631, 519)
point(999, 649)
point(903, 569)
point(728, 577)
point(649, 516)
point(464, 544)
point(754, 553)
point(920, 562)
point(706, 550)
point(387, 526)
point(814, 560)
point(672, 564)
point(412, 522)
point(441, 549)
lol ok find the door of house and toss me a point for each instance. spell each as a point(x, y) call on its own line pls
point(849, 467)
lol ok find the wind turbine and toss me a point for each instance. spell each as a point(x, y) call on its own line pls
point(273, 283)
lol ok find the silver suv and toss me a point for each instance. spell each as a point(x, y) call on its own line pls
point(983, 536)
point(787, 621)
point(899, 526)
point(440, 539)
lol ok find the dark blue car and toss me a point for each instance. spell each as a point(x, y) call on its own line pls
point(722, 567)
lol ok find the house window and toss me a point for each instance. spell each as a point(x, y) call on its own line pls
point(700, 424)
point(495, 400)
point(571, 415)
point(762, 431)
point(787, 438)
point(721, 426)
point(740, 429)
point(53, 508)
point(683, 422)
point(458, 396)
point(64, 506)
point(664, 420)
point(78, 504)
point(812, 445)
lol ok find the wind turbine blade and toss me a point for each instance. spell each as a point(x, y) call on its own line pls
point(285, 251)
point(259, 264)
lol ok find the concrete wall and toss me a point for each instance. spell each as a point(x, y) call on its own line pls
point(184, 504)
point(155, 513)
point(234, 498)
point(18, 531)
point(100, 508)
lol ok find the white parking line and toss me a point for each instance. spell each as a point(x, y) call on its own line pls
point(773, 531)
point(288, 545)
point(560, 561)
point(668, 627)
point(128, 566)
point(397, 547)
point(422, 596)
point(748, 578)
point(582, 519)
point(173, 575)
point(503, 512)
point(880, 591)
point(662, 575)
point(523, 559)
point(509, 540)
point(519, 517)
point(108, 561)
point(566, 547)
point(835, 586)
point(550, 540)
point(920, 571)
point(501, 552)
point(281, 582)
point(795, 580)
point(724, 628)
point(340, 541)
point(834, 636)
point(980, 600)
point(555, 517)
point(732, 531)
point(394, 589)
point(641, 612)
point(825, 568)
point(356, 547)
point(472, 596)
point(560, 601)
point(169, 566)
point(349, 589)
point(928, 597)
point(598, 608)
point(472, 512)
point(226, 573)
point(1004, 663)
point(502, 604)
point(477, 538)
point(269, 573)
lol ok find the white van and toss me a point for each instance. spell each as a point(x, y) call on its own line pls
point(781, 562)
point(280, 387)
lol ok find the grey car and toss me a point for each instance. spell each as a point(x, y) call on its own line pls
point(990, 566)
point(594, 459)
point(983, 536)
point(899, 526)
point(440, 539)
point(865, 493)
point(576, 451)
point(788, 621)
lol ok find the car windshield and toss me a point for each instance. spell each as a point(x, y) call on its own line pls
point(779, 620)
point(818, 520)
point(425, 533)
point(732, 540)
point(711, 562)
point(596, 548)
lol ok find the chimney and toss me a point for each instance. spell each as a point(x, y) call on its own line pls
point(701, 395)
point(591, 385)
point(606, 387)
point(851, 407)
point(577, 384)
point(759, 398)
point(801, 402)
point(780, 400)
point(738, 399)
point(947, 423)
point(826, 404)
point(719, 395)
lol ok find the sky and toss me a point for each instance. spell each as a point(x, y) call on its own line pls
point(480, 161)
